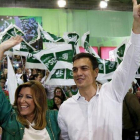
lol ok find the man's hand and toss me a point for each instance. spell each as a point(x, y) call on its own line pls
point(6, 45)
point(136, 15)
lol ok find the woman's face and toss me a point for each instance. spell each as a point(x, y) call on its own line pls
point(34, 71)
point(57, 101)
point(38, 78)
point(58, 92)
point(26, 105)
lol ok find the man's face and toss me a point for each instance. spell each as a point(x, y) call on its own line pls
point(83, 73)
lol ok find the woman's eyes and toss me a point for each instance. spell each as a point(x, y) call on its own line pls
point(19, 95)
point(27, 96)
point(30, 97)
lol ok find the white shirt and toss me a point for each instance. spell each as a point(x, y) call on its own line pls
point(101, 117)
point(32, 134)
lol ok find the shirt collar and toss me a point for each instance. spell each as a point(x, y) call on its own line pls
point(78, 95)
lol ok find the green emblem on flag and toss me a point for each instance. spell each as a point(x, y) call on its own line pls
point(110, 66)
point(59, 74)
point(25, 47)
point(101, 65)
point(18, 32)
point(86, 46)
point(48, 60)
point(73, 40)
point(43, 37)
point(121, 50)
point(69, 74)
point(138, 71)
point(11, 32)
point(65, 56)
point(32, 59)
point(119, 60)
point(5, 37)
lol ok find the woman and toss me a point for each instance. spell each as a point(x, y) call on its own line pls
point(57, 102)
point(29, 119)
point(59, 92)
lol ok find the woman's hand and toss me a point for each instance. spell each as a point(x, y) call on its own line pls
point(6, 45)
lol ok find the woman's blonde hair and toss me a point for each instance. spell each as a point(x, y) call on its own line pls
point(40, 100)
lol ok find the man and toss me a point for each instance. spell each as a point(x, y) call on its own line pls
point(95, 113)
point(131, 116)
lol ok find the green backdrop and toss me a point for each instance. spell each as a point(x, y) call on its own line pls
point(102, 25)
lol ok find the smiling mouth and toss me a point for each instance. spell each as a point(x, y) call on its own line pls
point(79, 79)
point(24, 107)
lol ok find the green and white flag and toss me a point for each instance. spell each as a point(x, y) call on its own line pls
point(138, 73)
point(25, 48)
point(60, 77)
point(106, 69)
point(110, 66)
point(58, 57)
point(5, 36)
point(91, 50)
point(85, 41)
point(32, 62)
point(12, 81)
point(18, 31)
point(72, 38)
point(120, 51)
point(49, 39)
point(13, 30)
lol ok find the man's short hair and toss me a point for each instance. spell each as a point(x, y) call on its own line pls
point(89, 56)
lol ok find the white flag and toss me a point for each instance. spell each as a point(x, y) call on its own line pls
point(12, 81)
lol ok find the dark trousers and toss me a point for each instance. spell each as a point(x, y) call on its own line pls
point(128, 135)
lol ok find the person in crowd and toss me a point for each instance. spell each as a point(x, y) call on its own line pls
point(2, 85)
point(33, 72)
point(59, 92)
point(18, 73)
point(27, 72)
point(95, 113)
point(138, 93)
point(28, 118)
point(37, 77)
point(57, 102)
point(131, 116)
point(71, 90)
point(56, 92)
point(17, 63)
point(4, 73)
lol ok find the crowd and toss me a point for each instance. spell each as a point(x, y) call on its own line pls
point(55, 93)
point(85, 111)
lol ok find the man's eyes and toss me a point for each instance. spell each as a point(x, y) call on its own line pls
point(83, 68)
point(74, 69)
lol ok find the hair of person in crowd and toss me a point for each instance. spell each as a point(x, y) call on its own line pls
point(57, 102)
point(59, 92)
